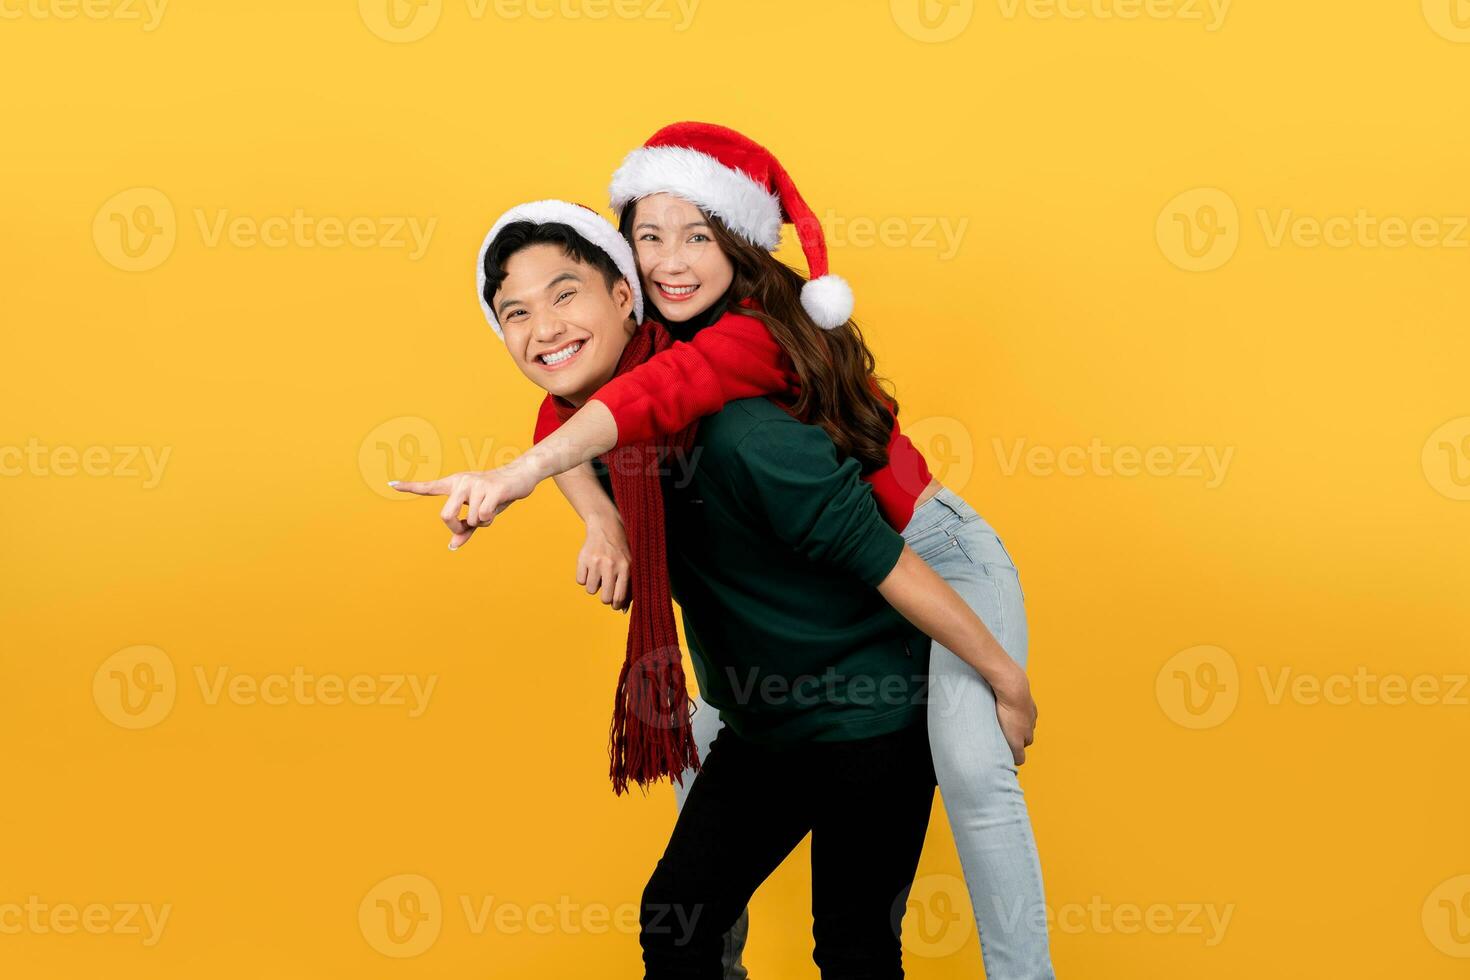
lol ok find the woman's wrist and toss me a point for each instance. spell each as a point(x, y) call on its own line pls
point(534, 465)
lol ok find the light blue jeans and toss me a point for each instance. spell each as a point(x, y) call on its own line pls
point(977, 777)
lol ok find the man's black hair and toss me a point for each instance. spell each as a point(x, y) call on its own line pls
point(523, 234)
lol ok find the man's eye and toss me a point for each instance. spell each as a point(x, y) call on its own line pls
point(513, 314)
point(569, 292)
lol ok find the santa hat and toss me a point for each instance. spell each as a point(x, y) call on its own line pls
point(740, 182)
point(587, 223)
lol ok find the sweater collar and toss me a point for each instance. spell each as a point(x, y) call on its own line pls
point(688, 328)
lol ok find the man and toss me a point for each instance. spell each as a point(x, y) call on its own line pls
point(794, 594)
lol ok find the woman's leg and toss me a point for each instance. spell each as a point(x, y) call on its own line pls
point(729, 838)
point(707, 725)
point(977, 777)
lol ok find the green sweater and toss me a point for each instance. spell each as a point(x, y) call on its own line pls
point(775, 552)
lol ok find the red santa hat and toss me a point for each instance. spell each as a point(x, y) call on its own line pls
point(742, 183)
point(586, 222)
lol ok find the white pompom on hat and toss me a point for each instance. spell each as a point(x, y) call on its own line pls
point(587, 223)
point(742, 183)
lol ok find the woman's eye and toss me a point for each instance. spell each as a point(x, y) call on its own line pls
point(699, 236)
point(648, 236)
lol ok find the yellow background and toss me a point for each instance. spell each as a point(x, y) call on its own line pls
point(1335, 544)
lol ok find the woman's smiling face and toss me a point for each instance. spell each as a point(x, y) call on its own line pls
point(564, 326)
point(684, 271)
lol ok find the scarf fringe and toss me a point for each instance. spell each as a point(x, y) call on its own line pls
point(652, 734)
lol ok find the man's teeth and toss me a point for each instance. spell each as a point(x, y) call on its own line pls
point(558, 356)
point(677, 290)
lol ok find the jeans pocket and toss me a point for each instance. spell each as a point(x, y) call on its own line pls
point(933, 541)
point(983, 547)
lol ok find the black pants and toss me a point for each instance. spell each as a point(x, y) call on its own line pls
point(866, 804)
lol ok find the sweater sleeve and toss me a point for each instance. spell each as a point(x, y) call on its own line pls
point(788, 473)
point(734, 357)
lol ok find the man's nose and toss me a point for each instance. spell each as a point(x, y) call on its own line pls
point(548, 327)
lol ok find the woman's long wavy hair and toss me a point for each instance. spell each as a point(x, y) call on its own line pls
point(839, 390)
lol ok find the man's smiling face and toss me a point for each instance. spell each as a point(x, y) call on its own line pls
point(564, 326)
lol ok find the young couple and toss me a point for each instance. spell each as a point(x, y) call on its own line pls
point(858, 628)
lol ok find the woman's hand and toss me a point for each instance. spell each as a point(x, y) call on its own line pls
point(485, 493)
point(604, 561)
point(1015, 709)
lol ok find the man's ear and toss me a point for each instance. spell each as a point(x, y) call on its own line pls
point(622, 295)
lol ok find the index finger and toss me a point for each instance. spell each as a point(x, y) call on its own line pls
point(429, 488)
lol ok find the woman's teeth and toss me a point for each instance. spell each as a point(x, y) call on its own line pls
point(556, 357)
point(677, 291)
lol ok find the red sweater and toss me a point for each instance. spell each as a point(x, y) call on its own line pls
point(734, 357)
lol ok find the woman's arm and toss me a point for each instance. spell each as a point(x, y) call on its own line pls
point(735, 357)
point(928, 601)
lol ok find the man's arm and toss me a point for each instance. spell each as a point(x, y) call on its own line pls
point(604, 563)
point(928, 601)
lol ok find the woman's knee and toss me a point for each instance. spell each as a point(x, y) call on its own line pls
point(972, 762)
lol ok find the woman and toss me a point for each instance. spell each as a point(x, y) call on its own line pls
point(703, 207)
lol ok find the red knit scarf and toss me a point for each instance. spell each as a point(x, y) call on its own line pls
point(651, 736)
